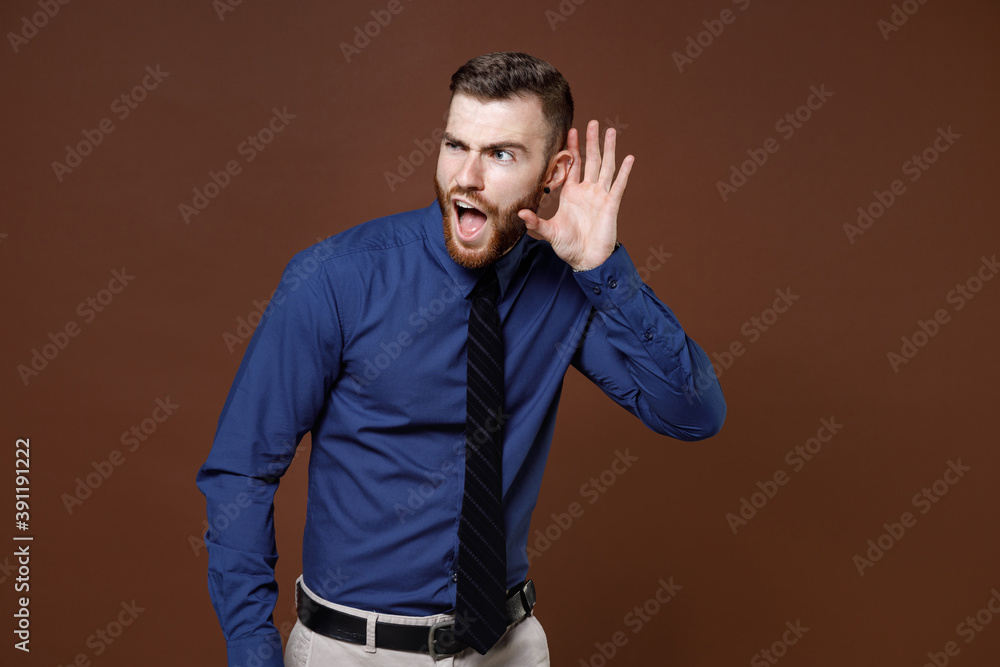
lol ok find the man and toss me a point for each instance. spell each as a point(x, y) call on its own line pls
point(425, 352)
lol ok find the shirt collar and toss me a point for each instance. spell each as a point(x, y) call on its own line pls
point(466, 279)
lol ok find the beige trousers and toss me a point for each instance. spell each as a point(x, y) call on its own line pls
point(523, 644)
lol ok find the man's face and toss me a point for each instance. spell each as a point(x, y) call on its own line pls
point(491, 165)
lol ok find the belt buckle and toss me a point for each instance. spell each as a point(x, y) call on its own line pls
point(448, 641)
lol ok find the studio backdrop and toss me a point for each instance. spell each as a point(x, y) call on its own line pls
point(813, 197)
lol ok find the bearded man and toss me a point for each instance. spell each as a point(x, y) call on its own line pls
point(425, 352)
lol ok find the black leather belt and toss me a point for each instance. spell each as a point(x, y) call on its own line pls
point(438, 640)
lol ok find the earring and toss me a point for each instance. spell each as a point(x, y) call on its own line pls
point(547, 190)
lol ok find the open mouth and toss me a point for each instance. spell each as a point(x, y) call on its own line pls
point(470, 220)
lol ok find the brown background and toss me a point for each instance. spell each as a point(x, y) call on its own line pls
point(136, 536)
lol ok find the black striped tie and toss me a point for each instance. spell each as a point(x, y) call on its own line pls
point(482, 554)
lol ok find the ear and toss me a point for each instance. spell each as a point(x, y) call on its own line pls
point(558, 169)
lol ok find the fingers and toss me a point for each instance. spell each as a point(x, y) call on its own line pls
point(608, 161)
point(599, 170)
point(593, 165)
point(573, 144)
point(618, 189)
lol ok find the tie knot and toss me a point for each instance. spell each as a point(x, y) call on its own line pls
point(488, 286)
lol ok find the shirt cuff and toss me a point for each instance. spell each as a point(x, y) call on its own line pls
point(255, 651)
point(612, 283)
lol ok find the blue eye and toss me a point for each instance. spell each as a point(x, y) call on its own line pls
point(510, 155)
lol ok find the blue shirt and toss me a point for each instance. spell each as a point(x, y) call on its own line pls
point(364, 345)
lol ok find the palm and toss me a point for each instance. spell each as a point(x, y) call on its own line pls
point(584, 229)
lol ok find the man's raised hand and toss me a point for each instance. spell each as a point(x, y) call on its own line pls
point(584, 229)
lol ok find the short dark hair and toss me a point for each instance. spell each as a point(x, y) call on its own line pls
point(502, 75)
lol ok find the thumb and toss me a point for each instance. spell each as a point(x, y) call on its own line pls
point(537, 227)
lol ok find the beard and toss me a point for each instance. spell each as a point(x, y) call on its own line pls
point(504, 227)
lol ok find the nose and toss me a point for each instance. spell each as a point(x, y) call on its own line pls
point(470, 176)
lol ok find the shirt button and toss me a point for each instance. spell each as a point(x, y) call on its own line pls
point(612, 283)
point(649, 334)
point(454, 576)
point(597, 290)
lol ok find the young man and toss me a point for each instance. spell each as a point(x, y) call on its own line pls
point(425, 352)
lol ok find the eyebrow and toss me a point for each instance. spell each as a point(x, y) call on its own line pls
point(495, 146)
